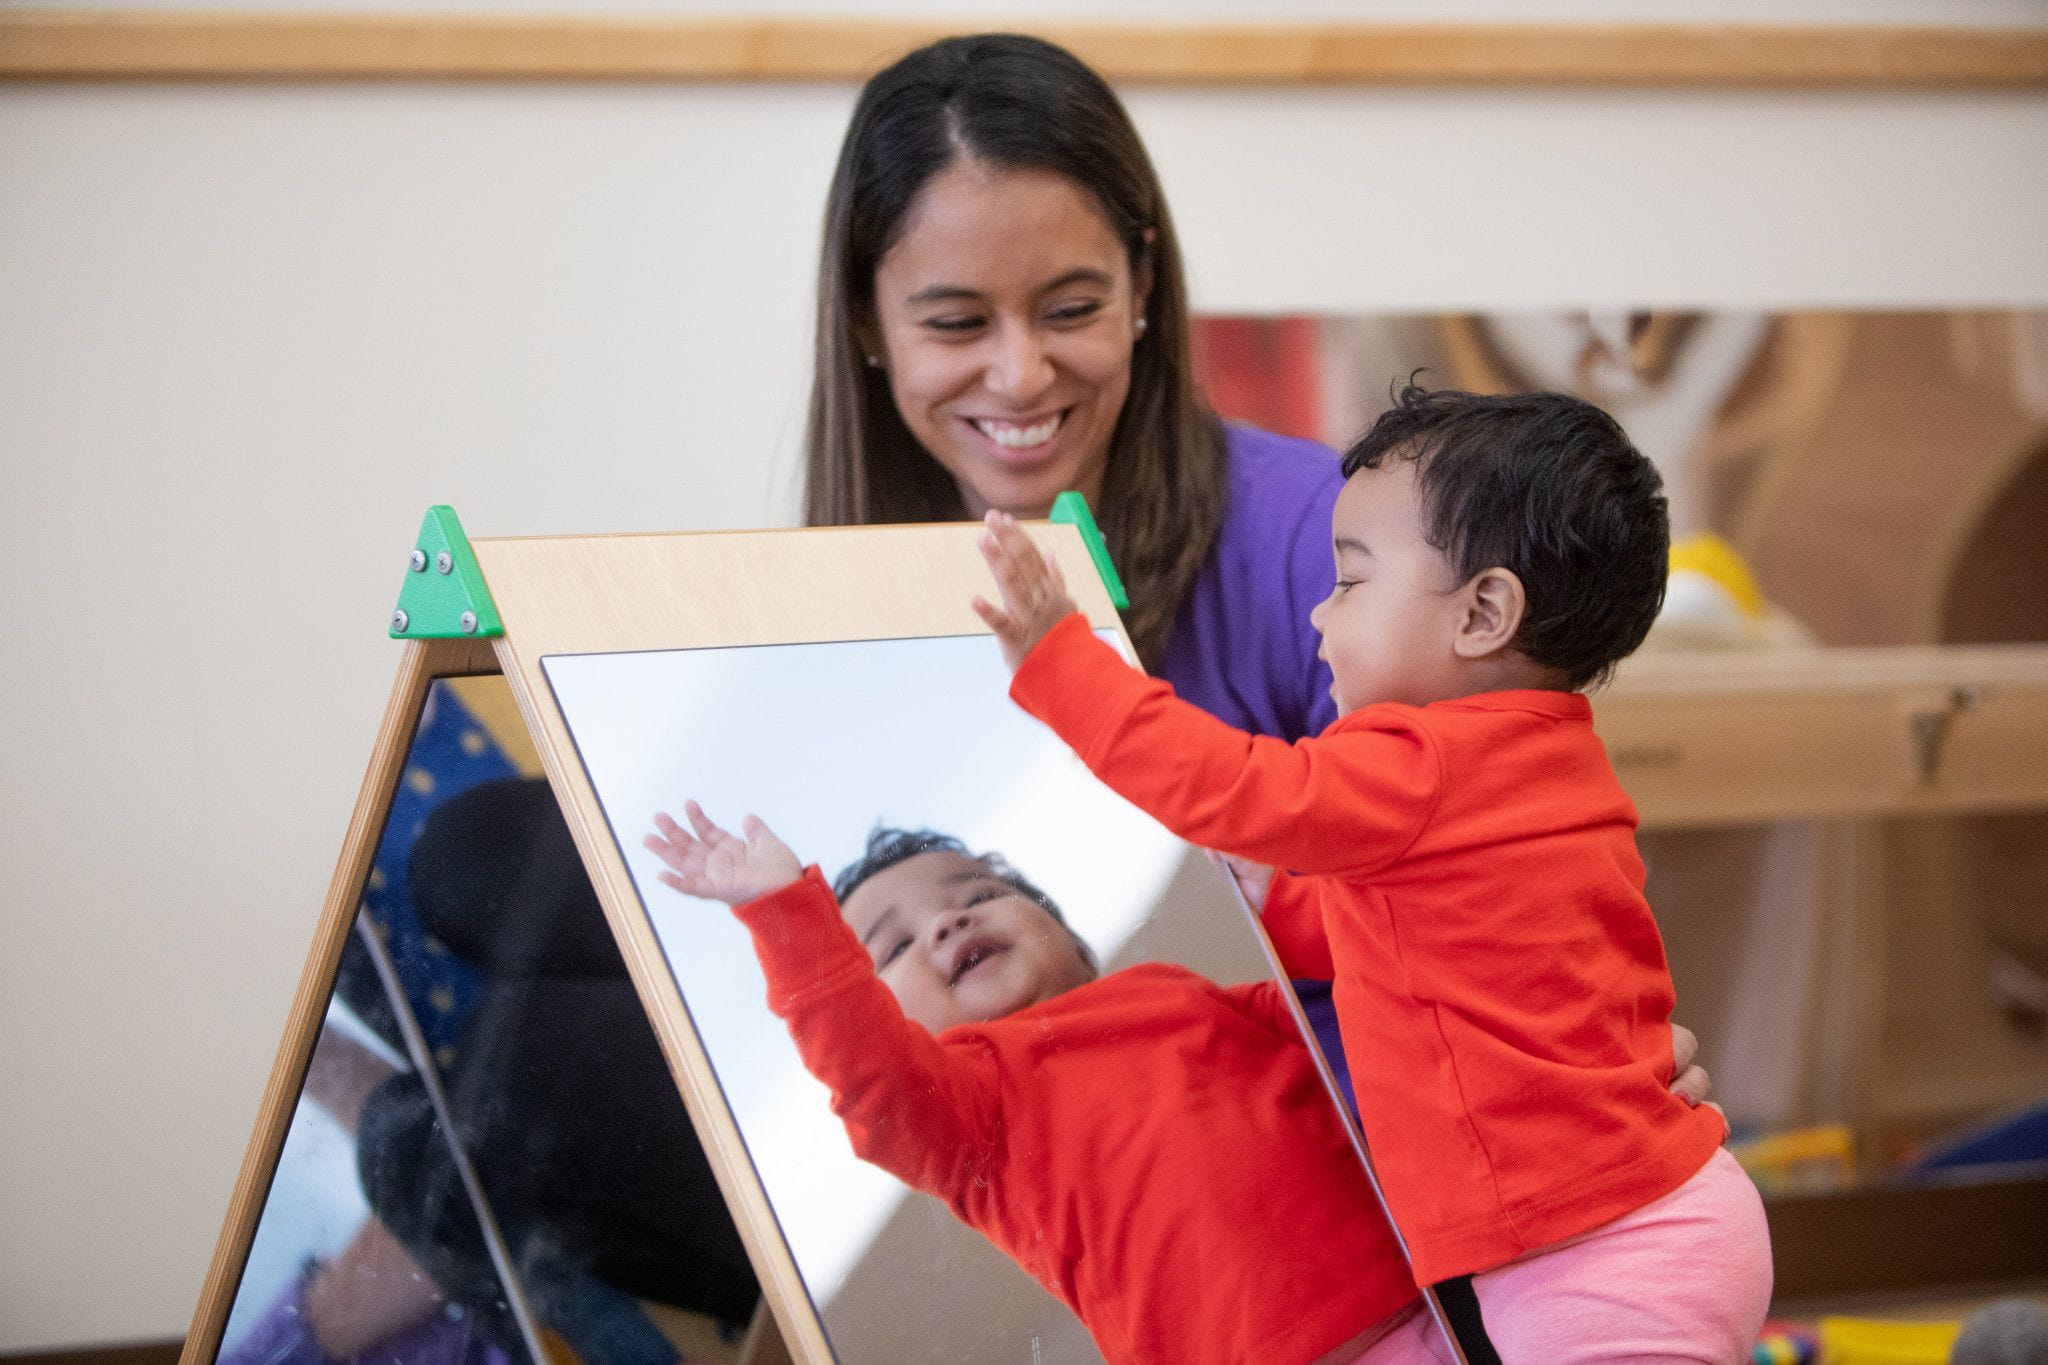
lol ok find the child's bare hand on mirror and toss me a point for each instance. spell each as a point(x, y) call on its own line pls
point(715, 863)
point(1033, 591)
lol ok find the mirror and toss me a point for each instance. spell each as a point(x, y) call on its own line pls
point(827, 743)
point(488, 1153)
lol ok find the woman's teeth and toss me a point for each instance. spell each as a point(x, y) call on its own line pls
point(1014, 437)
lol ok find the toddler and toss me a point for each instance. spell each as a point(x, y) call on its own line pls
point(1156, 1150)
point(1458, 844)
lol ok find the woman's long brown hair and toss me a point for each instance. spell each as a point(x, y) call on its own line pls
point(1018, 102)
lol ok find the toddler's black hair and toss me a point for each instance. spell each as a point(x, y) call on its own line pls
point(888, 847)
point(1548, 487)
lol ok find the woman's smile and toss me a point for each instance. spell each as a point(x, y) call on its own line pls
point(1020, 436)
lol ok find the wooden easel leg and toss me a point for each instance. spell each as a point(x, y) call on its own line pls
point(762, 1345)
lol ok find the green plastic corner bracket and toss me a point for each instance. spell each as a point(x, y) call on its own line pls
point(1071, 509)
point(444, 597)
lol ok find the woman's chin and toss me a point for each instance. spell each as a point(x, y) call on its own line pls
point(1021, 481)
point(1025, 495)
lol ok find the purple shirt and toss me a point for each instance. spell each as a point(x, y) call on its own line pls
point(1242, 648)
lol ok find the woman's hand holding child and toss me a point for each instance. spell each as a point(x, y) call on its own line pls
point(1034, 594)
point(717, 864)
point(1254, 880)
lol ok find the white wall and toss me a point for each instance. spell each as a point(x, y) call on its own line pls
point(248, 333)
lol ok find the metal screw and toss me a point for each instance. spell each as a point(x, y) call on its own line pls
point(469, 623)
point(419, 561)
point(445, 562)
point(399, 621)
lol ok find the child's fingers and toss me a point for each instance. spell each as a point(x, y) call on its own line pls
point(670, 879)
point(1692, 1085)
point(1012, 557)
point(707, 829)
point(998, 562)
point(1053, 576)
point(674, 850)
point(998, 620)
point(1027, 565)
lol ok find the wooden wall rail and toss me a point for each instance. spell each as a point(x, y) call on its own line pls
point(253, 44)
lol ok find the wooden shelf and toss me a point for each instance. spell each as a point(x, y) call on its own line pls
point(253, 44)
point(1712, 738)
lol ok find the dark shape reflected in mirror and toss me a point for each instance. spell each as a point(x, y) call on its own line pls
point(481, 994)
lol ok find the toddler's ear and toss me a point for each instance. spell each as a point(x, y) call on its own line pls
point(1490, 613)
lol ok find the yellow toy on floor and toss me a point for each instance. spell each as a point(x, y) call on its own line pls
point(1866, 1341)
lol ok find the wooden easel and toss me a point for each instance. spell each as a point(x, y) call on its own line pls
point(617, 594)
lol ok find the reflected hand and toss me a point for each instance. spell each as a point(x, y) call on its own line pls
point(1034, 593)
point(718, 865)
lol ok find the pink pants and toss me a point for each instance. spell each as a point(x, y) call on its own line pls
point(1686, 1278)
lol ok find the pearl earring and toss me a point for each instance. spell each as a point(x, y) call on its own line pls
point(874, 362)
point(1141, 326)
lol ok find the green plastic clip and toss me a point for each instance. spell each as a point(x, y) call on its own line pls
point(1071, 509)
point(444, 597)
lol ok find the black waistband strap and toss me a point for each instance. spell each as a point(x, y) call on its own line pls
point(1461, 1311)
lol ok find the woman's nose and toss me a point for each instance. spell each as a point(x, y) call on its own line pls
point(1021, 368)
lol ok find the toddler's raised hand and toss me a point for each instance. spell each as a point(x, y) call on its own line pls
point(1034, 594)
point(717, 864)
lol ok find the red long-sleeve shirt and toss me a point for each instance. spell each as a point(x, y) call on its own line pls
point(1499, 980)
point(1154, 1149)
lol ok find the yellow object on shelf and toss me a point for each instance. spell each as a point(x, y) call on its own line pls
point(1713, 558)
point(1866, 1341)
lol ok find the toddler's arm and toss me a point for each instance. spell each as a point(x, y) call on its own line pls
point(919, 1110)
point(1348, 802)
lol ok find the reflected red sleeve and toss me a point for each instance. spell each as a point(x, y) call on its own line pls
point(919, 1109)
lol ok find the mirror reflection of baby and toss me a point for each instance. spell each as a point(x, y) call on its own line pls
point(1459, 845)
point(1156, 1150)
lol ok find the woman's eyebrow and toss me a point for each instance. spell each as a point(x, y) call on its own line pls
point(953, 293)
point(1085, 274)
point(941, 293)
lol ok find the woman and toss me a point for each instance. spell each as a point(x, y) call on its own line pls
point(1002, 315)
